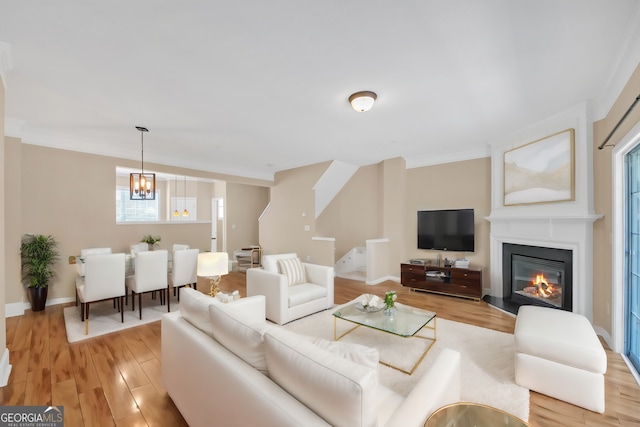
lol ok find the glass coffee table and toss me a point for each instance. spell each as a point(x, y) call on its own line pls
point(463, 414)
point(405, 321)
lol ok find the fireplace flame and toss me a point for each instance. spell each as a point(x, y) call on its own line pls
point(542, 286)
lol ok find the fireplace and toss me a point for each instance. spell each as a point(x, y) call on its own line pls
point(534, 275)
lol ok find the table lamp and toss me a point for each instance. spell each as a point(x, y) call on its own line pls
point(213, 264)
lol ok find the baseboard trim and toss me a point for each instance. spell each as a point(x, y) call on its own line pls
point(5, 368)
point(18, 308)
point(382, 279)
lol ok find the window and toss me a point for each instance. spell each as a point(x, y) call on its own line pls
point(135, 210)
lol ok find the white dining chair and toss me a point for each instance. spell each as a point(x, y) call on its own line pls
point(103, 280)
point(84, 253)
point(180, 247)
point(183, 272)
point(94, 251)
point(150, 275)
point(139, 247)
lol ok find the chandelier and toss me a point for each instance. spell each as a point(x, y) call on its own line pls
point(142, 186)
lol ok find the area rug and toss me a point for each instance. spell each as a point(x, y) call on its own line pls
point(487, 369)
point(104, 319)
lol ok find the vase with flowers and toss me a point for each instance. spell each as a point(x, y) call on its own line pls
point(389, 302)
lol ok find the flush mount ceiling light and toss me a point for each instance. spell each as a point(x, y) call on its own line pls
point(362, 101)
point(142, 186)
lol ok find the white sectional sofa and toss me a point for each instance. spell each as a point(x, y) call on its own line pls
point(224, 365)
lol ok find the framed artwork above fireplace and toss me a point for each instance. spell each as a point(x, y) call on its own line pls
point(541, 171)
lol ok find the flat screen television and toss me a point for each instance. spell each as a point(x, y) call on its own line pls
point(446, 230)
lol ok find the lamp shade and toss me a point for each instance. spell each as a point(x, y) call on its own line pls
point(362, 101)
point(213, 264)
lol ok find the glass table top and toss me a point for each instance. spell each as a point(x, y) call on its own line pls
point(406, 321)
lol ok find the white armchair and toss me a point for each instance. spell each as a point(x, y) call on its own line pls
point(304, 289)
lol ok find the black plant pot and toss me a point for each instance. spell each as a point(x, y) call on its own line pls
point(38, 298)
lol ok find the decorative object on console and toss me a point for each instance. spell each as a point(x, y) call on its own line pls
point(142, 186)
point(213, 264)
point(541, 171)
point(362, 101)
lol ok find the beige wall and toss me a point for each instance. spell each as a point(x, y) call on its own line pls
point(291, 208)
point(358, 199)
point(380, 201)
point(70, 195)
point(245, 203)
point(457, 185)
point(602, 159)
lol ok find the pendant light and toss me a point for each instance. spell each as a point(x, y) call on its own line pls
point(142, 186)
point(175, 212)
point(185, 212)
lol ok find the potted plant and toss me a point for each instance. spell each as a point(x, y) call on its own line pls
point(39, 254)
point(152, 241)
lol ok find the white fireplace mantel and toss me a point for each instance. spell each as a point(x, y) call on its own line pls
point(572, 233)
point(562, 225)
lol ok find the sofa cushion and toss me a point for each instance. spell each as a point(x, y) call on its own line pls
point(194, 307)
point(243, 337)
point(361, 354)
point(293, 269)
point(305, 292)
point(560, 336)
point(339, 390)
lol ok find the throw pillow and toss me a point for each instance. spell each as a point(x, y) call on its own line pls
point(293, 269)
point(339, 390)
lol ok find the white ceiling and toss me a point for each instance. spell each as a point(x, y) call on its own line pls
point(253, 87)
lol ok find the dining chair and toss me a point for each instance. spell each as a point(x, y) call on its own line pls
point(94, 251)
point(139, 247)
point(103, 280)
point(150, 275)
point(183, 272)
point(84, 253)
point(180, 247)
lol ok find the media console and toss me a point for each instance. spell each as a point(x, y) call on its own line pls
point(461, 282)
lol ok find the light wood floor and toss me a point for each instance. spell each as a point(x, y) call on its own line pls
point(115, 380)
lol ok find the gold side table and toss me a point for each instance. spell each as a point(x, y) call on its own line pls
point(465, 414)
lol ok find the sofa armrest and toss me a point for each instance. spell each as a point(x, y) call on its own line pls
point(321, 275)
point(274, 287)
point(440, 386)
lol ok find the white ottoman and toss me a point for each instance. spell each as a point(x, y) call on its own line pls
point(558, 354)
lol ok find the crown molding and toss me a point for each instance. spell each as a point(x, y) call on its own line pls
point(6, 62)
point(464, 153)
point(625, 63)
point(18, 129)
